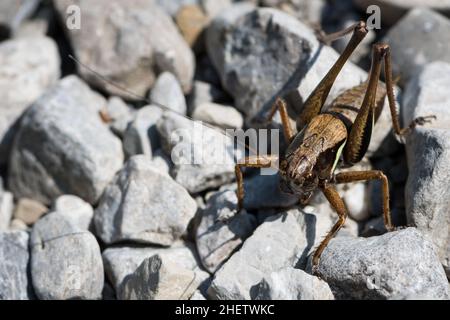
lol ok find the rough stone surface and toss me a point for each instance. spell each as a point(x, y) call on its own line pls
point(160, 278)
point(15, 282)
point(167, 92)
point(203, 157)
point(141, 136)
point(62, 131)
point(293, 284)
point(395, 265)
point(244, 46)
point(132, 41)
point(27, 68)
point(428, 152)
point(192, 21)
point(121, 262)
point(172, 7)
point(225, 117)
point(13, 13)
point(215, 240)
point(418, 38)
point(393, 10)
point(6, 209)
point(66, 262)
point(143, 205)
point(284, 240)
point(121, 115)
point(204, 92)
point(75, 209)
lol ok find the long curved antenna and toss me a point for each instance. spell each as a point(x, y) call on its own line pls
point(165, 108)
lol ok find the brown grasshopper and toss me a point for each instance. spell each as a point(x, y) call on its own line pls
point(326, 135)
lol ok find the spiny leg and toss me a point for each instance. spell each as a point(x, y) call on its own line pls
point(353, 176)
point(280, 105)
point(391, 98)
point(253, 162)
point(316, 99)
point(338, 204)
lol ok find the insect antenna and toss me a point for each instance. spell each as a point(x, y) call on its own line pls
point(161, 106)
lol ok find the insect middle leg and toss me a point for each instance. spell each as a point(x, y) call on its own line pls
point(253, 162)
point(338, 204)
point(354, 176)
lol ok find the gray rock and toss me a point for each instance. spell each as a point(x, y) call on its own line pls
point(225, 117)
point(293, 284)
point(397, 264)
point(197, 296)
point(121, 262)
point(143, 205)
point(32, 28)
point(66, 262)
point(134, 40)
point(121, 115)
point(141, 136)
point(161, 162)
point(428, 153)
point(160, 278)
point(305, 10)
point(284, 240)
point(216, 241)
point(418, 38)
point(12, 14)
point(62, 131)
point(203, 157)
point(75, 209)
point(6, 209)
point(167, 92)
point(15, 283)
point(212, 7)
point(393, 10)
point(29, 210)
point(203, 92)
point(29, 66)
point(244, 46)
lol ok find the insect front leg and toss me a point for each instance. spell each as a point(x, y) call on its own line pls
point(338, 204)
point(253, 162)
point(280, 105)
point(316, 99)
point(354, 176)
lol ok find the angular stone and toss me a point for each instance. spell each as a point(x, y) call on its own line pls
point(160, 278)
point(29, 210)
point(143, 205)
point(225, 117)
point(428, 154)
point(293, 284)
point(21, 60)
point(417, 39)
point(15, 283)
point(216, 241)
point(141, 136)
point(78, 211)
point(120, 262)
point(284, 240)
point(134, 40)
point(12, 14)
point(396, 265)
point(244, 46)
point(66, 261)
point(172, 7)
point(121, 115)
point(203, 157)
point(203, 92)
point(167, 92)
point(63, 131)
point(192, 21)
